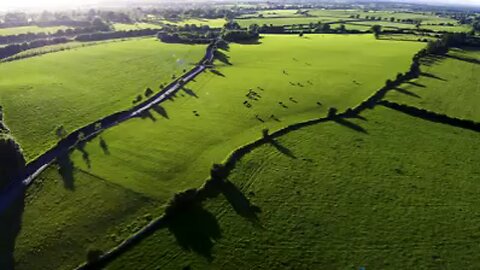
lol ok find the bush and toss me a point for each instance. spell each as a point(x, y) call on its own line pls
point(181, 202)
point(12, 162)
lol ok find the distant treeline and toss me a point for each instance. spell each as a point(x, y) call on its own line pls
point(13, 49)
point(117, 34)
point(189, 34)
point(96, 25)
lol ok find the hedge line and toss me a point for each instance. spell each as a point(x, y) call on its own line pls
point(432, 116)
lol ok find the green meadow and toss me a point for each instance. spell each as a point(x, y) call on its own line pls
point(381, 192)
point(30, 29)
point(214, 23)
point(134, 26)
point(75, 87)
point(176, 144)
point(449, 85)
point(172, 148)
point(63, 221)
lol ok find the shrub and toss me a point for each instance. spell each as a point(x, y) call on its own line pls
point(181, 202)
point(148, 92)
point(12, 162)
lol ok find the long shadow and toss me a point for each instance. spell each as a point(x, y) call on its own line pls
point(406, 92)
point(282, 149)
point(10, 226)
point(160, 110)
point(104, 146)
point(220, 56)
point(465, 59)
point(65, 169)
point(430, 75)
point(350, 125)
point(216, 72)
point(148, 115)
point(417, 84)
point(195, 229)
point(189, 92)
point(239, 202)
point(85, 155)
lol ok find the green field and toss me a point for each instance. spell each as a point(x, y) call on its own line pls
point(76, 87)
point(60, 225)
point(449, 85)
point(214, 23)
point(135, 26)
point(286, 21)
point(30, 29)
point(173, 149)
point(186, 145)
point(390, 198)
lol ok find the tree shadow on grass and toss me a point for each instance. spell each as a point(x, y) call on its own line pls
point(189, 92)
point(216, 72)
point(406, 92)
point(160, 110)
point(148, 115)
point(10, 226)
point(433, 76)
point(220, 56)
point(350, 125)
point(104, 146)
point(417, 84)
point(195, 229)
point(65, 169)
point(282, 149)
point(239, 202)
point(85, 155)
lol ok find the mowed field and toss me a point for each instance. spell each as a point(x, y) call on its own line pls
point(135, 26)
point(30, 29)
point(449, 85)
point(76, 87)
point(174, 146)
point(381, 192)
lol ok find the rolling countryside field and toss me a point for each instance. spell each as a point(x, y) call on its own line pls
point(174, 146)
point(383, 198)
point(449, 85)
point(239, 135)
point(79, 99)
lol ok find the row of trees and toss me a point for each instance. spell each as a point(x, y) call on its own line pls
point(97, 25)
point(116, 34)
point(13, 49)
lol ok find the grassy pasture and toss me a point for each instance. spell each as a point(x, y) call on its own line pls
point(173, 149)
point(179, 147)
point(68, 88)
point(215, 23)
point(285, 21)
point(30, 29)
point(393, 198)
point(62, 223)
point(450, 86)
point(134, 26)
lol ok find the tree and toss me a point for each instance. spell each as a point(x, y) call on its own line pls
point(377, 30)
point(12, 162)
point(326, 27)
point(300, 34)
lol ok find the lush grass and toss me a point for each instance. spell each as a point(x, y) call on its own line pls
point(285, 21)
point(218, 23)
point(455, 28)
point(134, 26)
point(30, 29)
point(451, 86)
point(78, 86)
point(390, 199)
point(156, 157)
point(65, 224)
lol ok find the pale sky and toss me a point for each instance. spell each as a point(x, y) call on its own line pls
point(48, 4)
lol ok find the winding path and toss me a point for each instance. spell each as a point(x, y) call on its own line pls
point(36, 167)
